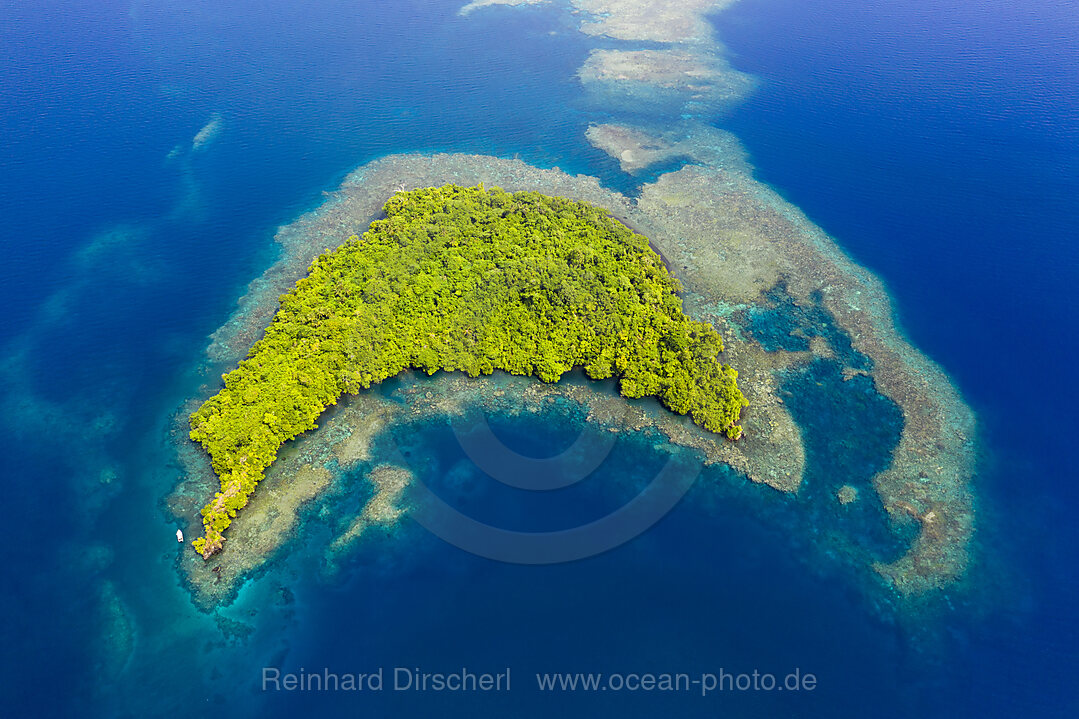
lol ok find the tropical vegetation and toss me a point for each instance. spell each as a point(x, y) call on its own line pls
point(471, 280)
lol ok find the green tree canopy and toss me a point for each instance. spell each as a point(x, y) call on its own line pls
point(471, 280)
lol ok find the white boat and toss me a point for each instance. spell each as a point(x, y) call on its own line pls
point(179, 535)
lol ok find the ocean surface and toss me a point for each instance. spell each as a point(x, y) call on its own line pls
point(150, 150)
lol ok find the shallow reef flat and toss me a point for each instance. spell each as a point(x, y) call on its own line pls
point(736, 246)
point(383, 509)
point(270, 518)
point(755, 241)
point(209, 132)
point(638, 149)
point(670, 21)
point(477, 4)
point(734, 239)
point(652, 78)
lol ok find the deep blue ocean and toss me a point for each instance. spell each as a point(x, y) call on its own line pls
point(937, 141)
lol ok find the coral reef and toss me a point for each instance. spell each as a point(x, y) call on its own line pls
point(477, 4)
point(847, 495)
point(738, 240)
point(383, 509)
point(731, 241)
point(735, 245)
point(640, 79)
point(667, 21)
point(637, 149)
point(117, 636)
point(209, 132)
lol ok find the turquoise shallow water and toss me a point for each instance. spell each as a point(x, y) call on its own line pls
point(125, 259)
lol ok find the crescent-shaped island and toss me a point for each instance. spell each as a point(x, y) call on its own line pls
point(470, 280)
point(810, 333)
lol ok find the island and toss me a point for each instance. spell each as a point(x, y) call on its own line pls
point(812, 333)
point(471, 280)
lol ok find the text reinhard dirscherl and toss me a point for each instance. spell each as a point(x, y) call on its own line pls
point(409, 679)
point(400, 679)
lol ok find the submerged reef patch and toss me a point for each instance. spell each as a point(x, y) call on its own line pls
point(209, 132)
point(637, 149)
point(117, 633)
point(653, 79)
point(477, 4)
point(382, 509)
point(669, 21)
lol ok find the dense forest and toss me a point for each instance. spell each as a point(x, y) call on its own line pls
point(470, 280)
